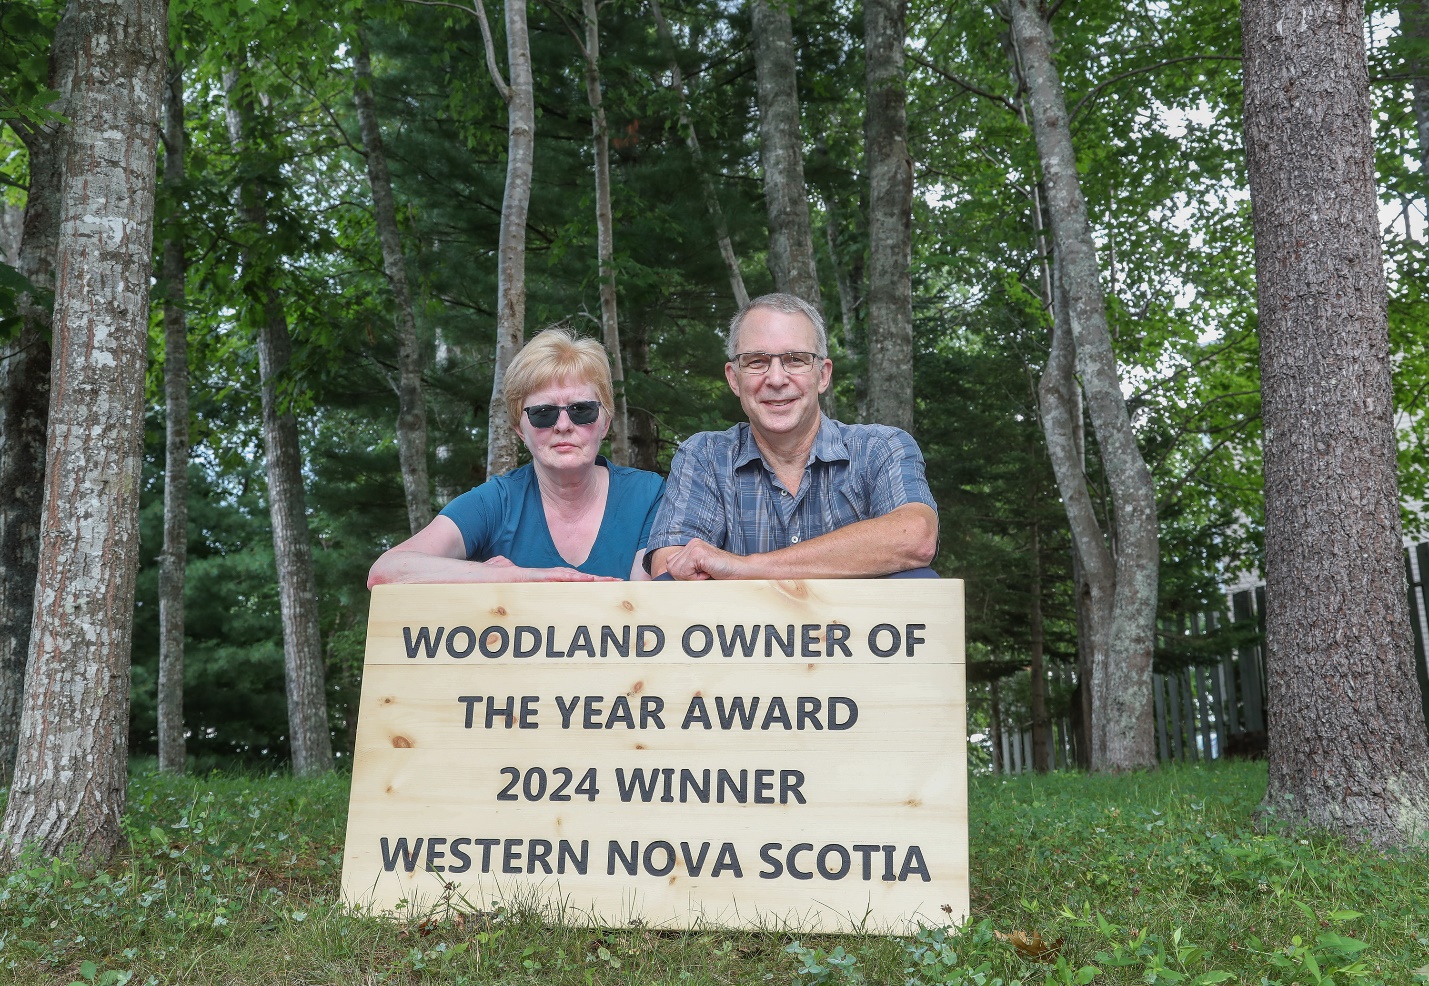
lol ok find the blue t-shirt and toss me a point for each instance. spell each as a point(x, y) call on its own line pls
point(504, 516)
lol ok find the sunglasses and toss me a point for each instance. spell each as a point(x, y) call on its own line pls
point(546, 415)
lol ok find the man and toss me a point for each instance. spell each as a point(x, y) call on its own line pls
point(791, 494)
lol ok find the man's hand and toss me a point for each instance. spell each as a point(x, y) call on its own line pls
point(699, 560)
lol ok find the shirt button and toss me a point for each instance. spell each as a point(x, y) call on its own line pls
point(795, 539)
point(784, 492)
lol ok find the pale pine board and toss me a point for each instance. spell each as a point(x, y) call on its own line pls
point(897, 777)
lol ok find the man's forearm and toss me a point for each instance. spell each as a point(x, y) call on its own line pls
point(905, 539)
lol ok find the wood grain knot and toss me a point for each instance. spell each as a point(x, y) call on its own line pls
point(401, 742)
point(635, 689)
point(914, 803)
point(493, 641)
point(499, 611)
point(629, 606)
point(388, 700)
point(639, 746)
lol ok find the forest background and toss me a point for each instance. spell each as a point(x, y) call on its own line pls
point(1154, 93)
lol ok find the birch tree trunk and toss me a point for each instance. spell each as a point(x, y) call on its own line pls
point(1348, 747)
point(781, 153)
point(692, 140)
point(173, 561)
point(1126, 582)
point(605, 236)
point(889, 315)
point(411, 402)
point(70, 775)
point(25, 396)
point(502, 441)
point(303, 672)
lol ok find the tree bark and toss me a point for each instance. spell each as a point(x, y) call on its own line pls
point(411, 402)
point(889, 313)
point(173, 562)
point(12, 221)
point(1348, 747)
point(1041, 724)
point(781, 153)
point(1126, 581)
point(692, 140)
point(25, 397)
point(620, 449)
point(308, 733)
point(502, 441)
point(70, 775)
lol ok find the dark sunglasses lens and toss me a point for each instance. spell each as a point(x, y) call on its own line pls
point(583, 412)
point(543, 415)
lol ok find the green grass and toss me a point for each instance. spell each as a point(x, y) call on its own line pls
point(1155, 878)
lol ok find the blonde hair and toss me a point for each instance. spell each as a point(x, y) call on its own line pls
point(555, 353)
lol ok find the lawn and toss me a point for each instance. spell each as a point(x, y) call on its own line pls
point(1157, 878)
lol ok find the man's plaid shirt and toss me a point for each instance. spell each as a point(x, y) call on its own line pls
point(721, 491)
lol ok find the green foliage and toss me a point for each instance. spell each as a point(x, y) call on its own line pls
point(1154, 878)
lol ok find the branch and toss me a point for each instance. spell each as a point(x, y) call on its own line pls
point(554, 8)
point(966, 86)
point(23, 128)
point(1189, 425)
point(1145, 68)
point(1186, 479)
point(327, 110)
point(1052, 10)
point(1206, 357)
point(501, 87)
point(477, 10)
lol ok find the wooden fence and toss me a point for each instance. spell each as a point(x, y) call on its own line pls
point(1209, 711)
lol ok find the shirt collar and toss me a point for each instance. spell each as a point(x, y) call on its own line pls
point(828, 444)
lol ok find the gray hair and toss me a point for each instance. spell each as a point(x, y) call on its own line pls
point(787, 304)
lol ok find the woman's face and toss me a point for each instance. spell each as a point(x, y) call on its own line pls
point(564, 447)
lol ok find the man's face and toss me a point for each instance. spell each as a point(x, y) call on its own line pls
point(778, 402)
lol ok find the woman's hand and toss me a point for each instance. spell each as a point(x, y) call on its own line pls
point(514, 573)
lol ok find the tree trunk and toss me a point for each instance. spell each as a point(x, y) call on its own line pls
point(1041, 724)
point(411, 403)
point(890, 218)
point(1414, 27)
point(303, 671)
point(70, 775)
point(677, 82)
point(12, 221)
point(502, 441)
point(994, 733)
point(605, 236)
point(781, 153)
point(1348, 748)
point(1123, 730)
point(173, 561)
point(25, 397)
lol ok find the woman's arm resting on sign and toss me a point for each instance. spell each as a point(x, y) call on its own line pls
point(437, 553)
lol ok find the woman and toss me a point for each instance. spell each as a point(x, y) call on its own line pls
point(568, 516)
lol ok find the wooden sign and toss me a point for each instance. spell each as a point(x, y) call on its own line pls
point(740, 754)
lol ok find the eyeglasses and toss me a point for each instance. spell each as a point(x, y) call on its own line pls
point(546, 415)
point(791, 362)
